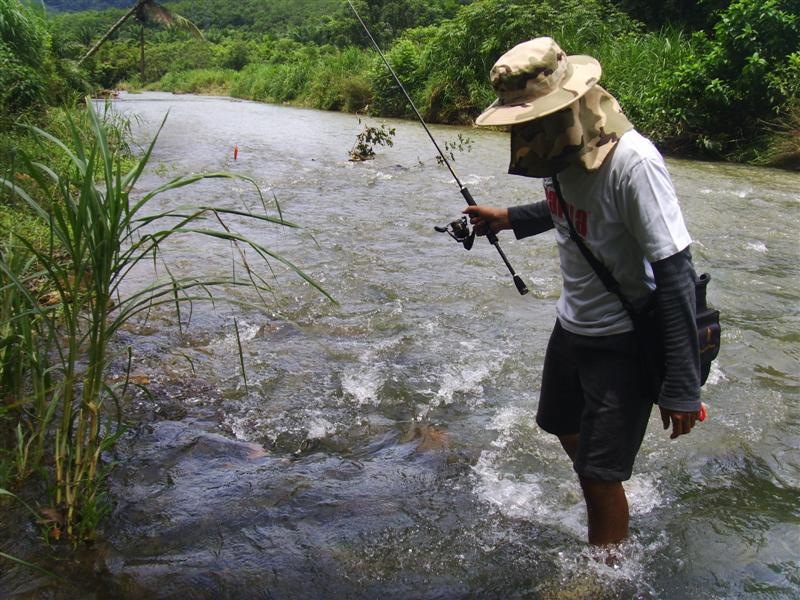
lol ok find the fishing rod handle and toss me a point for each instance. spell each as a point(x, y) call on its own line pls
point(467, 196)
point(490, 235)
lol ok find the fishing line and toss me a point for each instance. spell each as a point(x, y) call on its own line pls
point(491, 236)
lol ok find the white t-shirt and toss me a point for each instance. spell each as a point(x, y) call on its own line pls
point(628, 216)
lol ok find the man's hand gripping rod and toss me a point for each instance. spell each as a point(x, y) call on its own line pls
point(492, 237)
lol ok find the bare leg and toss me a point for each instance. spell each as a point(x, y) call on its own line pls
point(607, 509)
point(606, 504)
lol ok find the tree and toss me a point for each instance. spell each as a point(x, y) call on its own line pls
point(146, 11)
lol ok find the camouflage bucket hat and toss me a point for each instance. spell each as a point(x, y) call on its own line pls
point(537, 78)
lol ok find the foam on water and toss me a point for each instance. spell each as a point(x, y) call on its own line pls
point(520, 495)
point(229, 342)
point(468, 376)
point(381, 176)
point(474, 179)
point(715, 375)
point(319, 427)
point(463, 378)
point(362, 381)
point(643, 494)
point(757, 247)
point(597, 573)
point(554, 500)
point(511, 496)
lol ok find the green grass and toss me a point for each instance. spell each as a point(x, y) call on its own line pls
point(783, 148)
point(634, 66)
point(198, 81)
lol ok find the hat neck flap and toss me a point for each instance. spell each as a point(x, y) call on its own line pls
point(584, 133)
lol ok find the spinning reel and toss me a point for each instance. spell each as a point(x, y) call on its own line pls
point(459, 231)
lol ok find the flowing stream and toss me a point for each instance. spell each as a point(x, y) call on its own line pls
point(385, 446)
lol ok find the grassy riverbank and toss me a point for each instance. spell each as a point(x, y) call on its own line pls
point(719, 80)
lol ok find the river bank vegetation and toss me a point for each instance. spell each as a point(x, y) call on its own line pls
point(714, 79)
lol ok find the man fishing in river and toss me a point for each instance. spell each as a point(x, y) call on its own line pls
point(607, 188)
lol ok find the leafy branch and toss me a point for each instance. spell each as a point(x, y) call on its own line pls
point(364, 148)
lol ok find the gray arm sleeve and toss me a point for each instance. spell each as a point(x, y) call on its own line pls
point(676, 306)
point(530, 219)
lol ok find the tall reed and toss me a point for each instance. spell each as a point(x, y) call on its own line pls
point(98, 234)
point(25, 371)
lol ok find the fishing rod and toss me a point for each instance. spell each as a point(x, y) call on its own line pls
point(458, 229)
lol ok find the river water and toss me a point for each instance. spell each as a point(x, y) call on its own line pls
point(384, 445)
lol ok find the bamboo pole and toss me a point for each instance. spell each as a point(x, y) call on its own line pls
point(111, 31)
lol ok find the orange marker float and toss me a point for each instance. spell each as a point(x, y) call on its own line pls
point(235, 152)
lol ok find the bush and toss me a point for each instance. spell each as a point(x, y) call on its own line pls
point(744, 72)
point(462, 51)
point(672, 12)
point(21, 87)
point(269, 83)
point(389, 100)
point(236, 56)
point(23, 33)
point(24, 45)
point(783, 148)
point(327, 74)
point(114, 63)
point(634, 67)
point(357, 94)
point(197, 81)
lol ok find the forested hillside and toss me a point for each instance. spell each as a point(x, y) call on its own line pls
point(313, 21)
point(322, 21)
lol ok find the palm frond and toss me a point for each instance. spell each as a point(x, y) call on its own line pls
point(156, 13)
point(152, 11)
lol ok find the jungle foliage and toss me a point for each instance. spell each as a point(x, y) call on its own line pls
point(688, 13)
point(716, 78)
point(23, 67)
point(80, 5)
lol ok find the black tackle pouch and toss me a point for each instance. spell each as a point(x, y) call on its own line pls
point(709, 331)
point(647, 327)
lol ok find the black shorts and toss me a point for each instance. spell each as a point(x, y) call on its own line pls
point(595, 387)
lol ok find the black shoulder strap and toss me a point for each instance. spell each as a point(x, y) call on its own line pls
point(612, 285)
